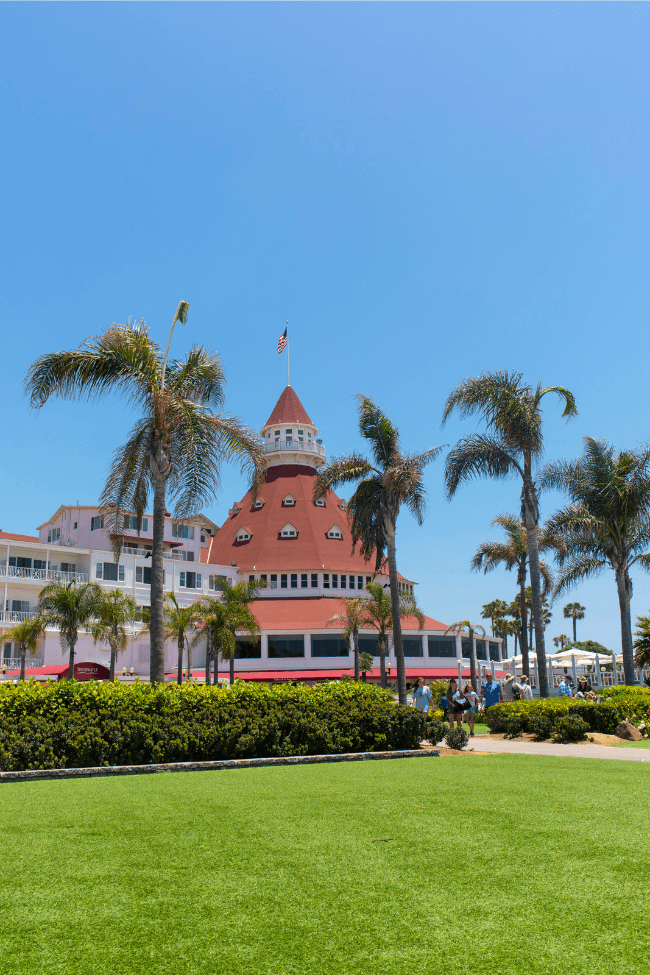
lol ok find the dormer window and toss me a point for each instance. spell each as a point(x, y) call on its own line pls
point(243, 534)
point(258, 504)
point(288, 531)
point(289, 501)
point(320, 503)
point(342, 506)
point(335, 532)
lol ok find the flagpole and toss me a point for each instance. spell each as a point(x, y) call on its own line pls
point(288, 379)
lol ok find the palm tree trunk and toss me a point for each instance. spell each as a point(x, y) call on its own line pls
point(23, 654)
point(179, 675)
point(523, 633)
point(472, 662)
point(232, 668)
point(624, 588)
point(382, 668)
point(72, 645)
point(215, 672)
point(156, 626)
point(389, 535)
point(208, 655)
point(575, 638)
point(111, 675)
point(538, 611)
point(355, 644)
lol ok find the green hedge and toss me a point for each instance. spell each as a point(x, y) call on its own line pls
point(72, 724)
point(602, 718)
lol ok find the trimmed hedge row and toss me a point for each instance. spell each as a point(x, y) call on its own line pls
point(74, 725)
point(602, 718)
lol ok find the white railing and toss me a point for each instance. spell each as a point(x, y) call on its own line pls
point(13, 616)
point(146, 553)
point(13, 663)
point(308, 446)
point(41, 575)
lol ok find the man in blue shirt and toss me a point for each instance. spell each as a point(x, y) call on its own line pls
point(564, 688)
point(492, 692)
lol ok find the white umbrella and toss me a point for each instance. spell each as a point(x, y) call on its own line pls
point(565, 656)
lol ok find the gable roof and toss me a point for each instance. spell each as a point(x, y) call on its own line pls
point(9, 537)
point(288, 409)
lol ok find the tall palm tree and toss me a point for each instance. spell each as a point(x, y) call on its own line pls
point(642, 642)
point(227, 615)
point(504, 628)
point(117, 611)
point(70, 608)
point(27, 636)
point(379, 616)
point(606, 524)
point(575, 612)
point(352, 619)
point(514, 611)
point(176, 446)
point(513, 554)
point(390, 480)
point(180, 625)
point(561, 640)
point(456, 629)
point(511, 447)
point(494, 611)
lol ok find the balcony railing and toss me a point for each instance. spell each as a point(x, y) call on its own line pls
point(146, 552)
point(307, 446)
point(13, 616)
point(41, 575)
point(13, 663)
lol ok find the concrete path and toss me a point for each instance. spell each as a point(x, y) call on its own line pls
point(480, 744)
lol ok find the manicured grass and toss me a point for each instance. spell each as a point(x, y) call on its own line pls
point(633, 744)
point(476, 865)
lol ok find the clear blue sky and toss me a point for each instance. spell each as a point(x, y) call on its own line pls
point(424, 190)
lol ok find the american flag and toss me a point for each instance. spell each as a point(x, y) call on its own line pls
point(283, 341)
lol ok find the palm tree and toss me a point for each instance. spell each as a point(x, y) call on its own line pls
point(228, 614)
point(642, 642)
point(504, 628)
point(494, 611)
point(575, 612)
point(513, 554)
point(456, 629)
point(379, 616)
point(26, 635)
point(391, 480)
point(115, 613)
point(511, 447)
point(606, 524)
point(353, 618)
point(365, 662)
point(180, 622)
point(561, 640)
point(70, 608)
point(176, 446)
point(514, 611)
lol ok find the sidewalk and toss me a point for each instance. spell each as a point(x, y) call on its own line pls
point(565, 751)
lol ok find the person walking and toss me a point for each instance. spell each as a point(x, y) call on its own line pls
point(444, 706)
point(526, 689)
point(492, 693)
point(455, 707)
point(470, 714)
point(421, 695)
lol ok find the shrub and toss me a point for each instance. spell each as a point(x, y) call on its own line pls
point(570, 728)
point(436, 730)
point(514, 726)
point(601, 717)
point(541, 726)
point(456, 738)
point(71, 724)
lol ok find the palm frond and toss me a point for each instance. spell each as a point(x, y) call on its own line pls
point(579, 569)
point(379, 430)
point(567, 397)
point(341, 470)
point(478, 455)
point(199, 377)
point(127, 483)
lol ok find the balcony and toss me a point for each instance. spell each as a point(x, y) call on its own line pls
point(306, 446)
point(41, 575)
point(13, 616)
point(143, 553)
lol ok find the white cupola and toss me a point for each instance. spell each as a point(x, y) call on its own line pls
point(289, 436)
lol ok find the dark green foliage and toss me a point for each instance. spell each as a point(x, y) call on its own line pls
point(72, 725)
point(602, 717)
point(436, 730)
point(541, 725)
point(456, 738)
point(570, 728)
point(514, 726)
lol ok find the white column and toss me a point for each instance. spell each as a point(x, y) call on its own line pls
point(307, 637)
point(614, 670)
point(550, 675)
point(492, 669)
point(4, 601)
point(573, 669)
point(599, 678)
point(460, 674)
point(535, 674)
point(264, 642)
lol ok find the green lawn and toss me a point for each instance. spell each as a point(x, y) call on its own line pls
point(480, 865)
point(633, 744)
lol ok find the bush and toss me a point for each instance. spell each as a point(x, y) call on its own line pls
point(456, 738)
point(436, 730)
point(601, 717)
point(541, 726)
point(570, 728)
point(71, 724)
point(514, 726)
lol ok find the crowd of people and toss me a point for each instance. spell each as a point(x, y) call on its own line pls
point(458, 705)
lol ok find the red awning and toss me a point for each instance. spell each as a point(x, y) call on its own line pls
point(431, 673)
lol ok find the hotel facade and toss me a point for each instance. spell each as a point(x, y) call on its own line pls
point(299, 547)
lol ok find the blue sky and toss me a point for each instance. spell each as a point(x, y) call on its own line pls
point(424, 191)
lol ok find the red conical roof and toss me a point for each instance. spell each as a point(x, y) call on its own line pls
point(288, 409)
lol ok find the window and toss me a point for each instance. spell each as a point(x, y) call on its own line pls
point(335, 580)
point(67, 566)
point(320, 503)
point(258, 504)
point(19, 562)
point(412, 646)
point(303, 580)
point(190, 580)
point(54, 535)
point(359, 582)
point(263, 578)
point(342, 506)
point(283, 581)
point(441, 646)
point(213, 582)
point(294, 580)
point(494, 651)
point(301, 435)
point(38, 563)
point(131, 522)
point(481, 650)
point(112, 572)
point(274, 582)
point(326, 580)
point(204, 540)
point(182, 531)
point(335, 532)
point(277, 434)
point(247, 649)
point(96, 522)
point(251, 578)
point(286, 646)
point(143, 575)
point(74, 524)
point(187, 556)
point(288, 531)
point(344, 582)
point(329, 646)
point(242, 534)
point(314, 580)
point(368, 579)
point(289, 501)
point(99, 568)
point(288, 435)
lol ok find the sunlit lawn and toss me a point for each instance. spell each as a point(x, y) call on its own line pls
point(484, 865)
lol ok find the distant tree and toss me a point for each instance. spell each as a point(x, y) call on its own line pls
point(227, 615)
point(365, 663)
point(642, 642)
point(352, 619)
point(472, 628)
point(379, 616)
point(117, 611)
point(70, 608)
point(390, 481)
point(493, 611)
point(575, 612)
point(560, 640)
point(589, 646)
point(504, 628)
point(27, 636)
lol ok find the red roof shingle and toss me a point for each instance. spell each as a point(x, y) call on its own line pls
point(288, 409)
